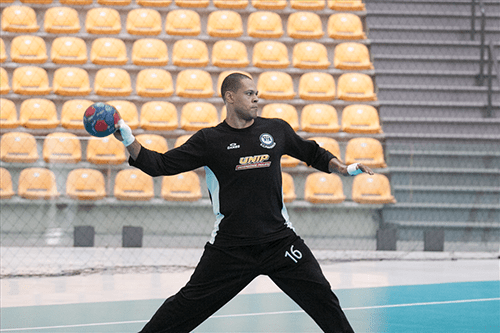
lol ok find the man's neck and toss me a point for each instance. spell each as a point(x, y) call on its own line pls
point(238, 123)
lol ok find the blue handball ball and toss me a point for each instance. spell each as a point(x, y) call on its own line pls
point(100, 119)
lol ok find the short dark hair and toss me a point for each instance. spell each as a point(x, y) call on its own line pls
point(232, 83)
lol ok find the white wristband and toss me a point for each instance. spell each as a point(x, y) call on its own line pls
point(353, 169)
point(126, 132)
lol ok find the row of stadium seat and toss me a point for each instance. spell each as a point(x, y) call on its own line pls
point(187, 53)
point(147, 22)
point(190, 83)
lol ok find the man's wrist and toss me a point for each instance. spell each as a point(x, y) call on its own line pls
point(353, 169)
point(126, 132)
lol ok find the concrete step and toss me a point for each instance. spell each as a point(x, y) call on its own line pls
point(457, 126)
point(448, 176)
point(426, 48)
point(410, 157)
point(426, 62)
point(452, 6)
point(432, 78)
point(447, 194)
point(471, 109)
point(423, 33)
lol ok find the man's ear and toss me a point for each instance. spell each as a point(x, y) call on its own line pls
point(229, 97)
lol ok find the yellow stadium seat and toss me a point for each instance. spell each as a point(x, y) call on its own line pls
point(128, 112)
point(275, 85)
point(198, 115)
point(144, 21)
point(286, 112)
point(108, 51)
point(103, 20)
point(354, 5)
point(358, 118)
point(68, 50)
point(288, 161)
point(308, 4)
point(367, 151)
point(38, 113)
point(8, 114)
point(345, 26)
point(149, 52)
point(85, 184)
point(30, 80)
point(229, 53)
point(192, 4)
point(270, 54)
point(310, 55)
point(37, 183)
point(190, 53)
point(153, 142)
point(6, 1)
point(225, 74)
point(61, 20)
point(181, 140)
point(304, 25)
point(183, 22)
point(181, 187)
point(114, 2)
point(288, 188)
point(4, 82)
point(154, 82)
point(112, 82)
point(6, 189)
point(224, 23)
point(154, 3)
point(28, 50)
point(194, 83)
point(265, 25)
point(106, 150)
point(317, 86)
point(71, 81)
point(62, 148)
point(21, 19)
point(159, 116)
point(72, 113)
point(3, 52)
point(76, 2)
point(37, 2)
point(134, 185)
point(329, 144)
point(372, 189)
point(324, 188)
point(356, 87)
point(319, 118)
point(18, 147)
point(269, 4)
point(231, 4)
point(352, 56)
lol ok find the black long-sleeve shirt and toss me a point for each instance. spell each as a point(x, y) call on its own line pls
point(243, 174)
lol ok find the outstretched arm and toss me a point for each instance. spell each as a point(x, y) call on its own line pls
point(123, 133)
point(348, 170)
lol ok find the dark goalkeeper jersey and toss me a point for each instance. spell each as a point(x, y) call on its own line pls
point(243, 174)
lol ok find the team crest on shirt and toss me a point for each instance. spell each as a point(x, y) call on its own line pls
point(267, 141)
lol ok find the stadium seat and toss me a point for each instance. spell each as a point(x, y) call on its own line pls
point(198, 115)
point(114, 2)
point(270, 54)
point(106, 150)
point(103, 20)
point(133, 185)
point(3, 52)
point(181, 140)
point(304, 25)
point(37, 183)
point(18, 147)
point(225, 74)
point(368, 151)
point(154, 3)
point(354, 5)
point(275, 85)
point(85, 184)
point(144, 21)
point(159, 116)
point(20, 19)
point(153, 142)
point(38, 113)
point(61, 20)
point(372, 189)
point(329, 144)
point(191, 3)
point(324, 188)
point(224, 23)
point(4, 82)
point(149, 52)
point(154, 82)
point(71, 81)
point(269, 4)
point(194, 83)
point(352, 56)
point(69, 51)
point(308, 4)
point(356, 87)
point(183, 22)
point(265, 25)
point(229, 53)
point(181, 187)
point(6, 189)
point(310, 55)
point(61, 147)
point(231, 4)
point(30, 80)
point(345, 26)
point(319, 118)
point(76, 2)
point(190, 53)
point(315, 86)
point(72, 113)
point(8, 114)
point(108, 51)
point(112, 82)
point(128, 112)
point(36, 2)
point(7, 1)
point(288, 188)
point(358, 118)
point(286, 112)
point(288, 161)
point(28, 49)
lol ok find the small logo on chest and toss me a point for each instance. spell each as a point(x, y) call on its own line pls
point(267, 141)
point(252, 162)
point(233, 146)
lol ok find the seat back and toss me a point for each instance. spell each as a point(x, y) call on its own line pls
point(317, 86)
point(154, 3)
point(356, 87)
point(28, 49)
point(71, 81)
point(38, 113)
point(270, 54)
point(269, 4)
point(6, 188)
point(286, 112)
point(224, 23)
point(329, 144)
point(265, 25)
point(108, 51)
point(128, 112)
point(360, 118)
point(62, 148)
point(153, 142)
point(114, 2)
point(4, 81)
point(181, 187)
point(18, 147)
point(8, 114)
point(76, 2)
point(194, 83)
point(354, 5)
point(103, 20)
point(37, 183)
point(304, 25)
point(112, 82)
point(352, 56)
point(183, 22)
point(275, 85)
point(144, 21)
point(68, 50)
point(30, 80)
point(192, 4)
point(308, 4)
point(310, 55)
point(324, 188)
point(133, 184)
point(198, 115)
point(159, 116)
point(372, 189)
point(231, 4)
point(106, 150)
point(154, 82)
point(61, 20)
point(3, 52)
point(368, 151)
point(85, 184)
point(72, 113)
point(345, 26)
point(20, 19)
point(319, 118)
point(288, 187)
point(149, 52)
point(190, 53)
point(229, 53)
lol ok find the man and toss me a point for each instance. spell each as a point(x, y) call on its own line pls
point(252, 235)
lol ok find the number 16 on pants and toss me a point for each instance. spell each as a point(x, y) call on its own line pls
point(293, 254)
